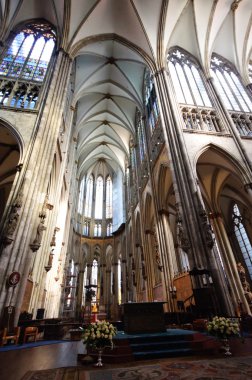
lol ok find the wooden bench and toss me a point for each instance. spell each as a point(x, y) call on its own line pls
point(13, 335)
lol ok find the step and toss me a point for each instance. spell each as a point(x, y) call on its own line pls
point(159, 338)
point(142, 355)
point(158, 345)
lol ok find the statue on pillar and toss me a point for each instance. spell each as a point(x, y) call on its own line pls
point(40, 228)
point(182, 239)
point(206, 226)
point(13, 219)
point(39, 232)
point(245, 284)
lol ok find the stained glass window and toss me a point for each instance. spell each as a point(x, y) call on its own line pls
point(151, 102)
point(109, 229)
point(86, 228)
point(81, 194)
point(140, 135)
point(89, 197)
point(188, 84)
point(29, 53)
point(94, 273)
point(99, 198)
point(242, 238)
point(108, 198)
point(97, 230)
point(229, 86)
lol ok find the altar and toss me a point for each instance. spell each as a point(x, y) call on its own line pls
point(143, 317)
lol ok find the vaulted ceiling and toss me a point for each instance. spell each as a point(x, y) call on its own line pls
point(113, 42)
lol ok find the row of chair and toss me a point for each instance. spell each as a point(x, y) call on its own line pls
point(30, 332)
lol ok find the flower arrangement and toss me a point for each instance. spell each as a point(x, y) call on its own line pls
point(99, 335)
point(223, 328)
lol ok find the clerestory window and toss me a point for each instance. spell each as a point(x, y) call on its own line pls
point(81, 194)
point(140, 135)
point(229, 85)
point(151, 102)
point(108, 198)
point(89, 197)
point(24, 64)
point(99, 198)
point(98, 208)
point(186, 77)
point(29, 53)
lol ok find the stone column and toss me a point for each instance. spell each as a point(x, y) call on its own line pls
point(232, 292)
point(184, 181)
point(195, 231)
point(168, 258)
point(34, 180)
point(115, 290)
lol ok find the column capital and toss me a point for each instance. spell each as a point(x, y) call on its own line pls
point(163, 211)
point(214, 215)
point(160, 71)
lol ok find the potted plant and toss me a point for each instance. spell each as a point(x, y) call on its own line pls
point(223, 328)
point(99, 335)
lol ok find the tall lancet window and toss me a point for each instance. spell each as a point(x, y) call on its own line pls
point(89, 197)
point(94, 273)
point(140, 135)
point(109, 229)
point(81, 194)
point(26, 60)
point(108, 198)
point(151, 102)
point(229, 86)
point(242, 238)
point(188, 84)
point(99, 198)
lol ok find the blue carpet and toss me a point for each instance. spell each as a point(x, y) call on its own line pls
point(10, 347)
point(167, 333)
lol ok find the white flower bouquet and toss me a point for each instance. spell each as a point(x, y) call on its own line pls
point(99, 335)
point(223, 328)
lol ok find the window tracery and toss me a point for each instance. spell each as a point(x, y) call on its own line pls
point(99, 198)
point(154, 131)
point(151, 102)
point(140, 135)
point(89, 197)
point(242, 238)
point(229, 85)
point(188, 84)
point(81, 195)
point(108, 198)
point(109, 229)
point(24, 65)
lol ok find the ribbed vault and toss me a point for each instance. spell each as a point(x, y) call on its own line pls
point(103, 37)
